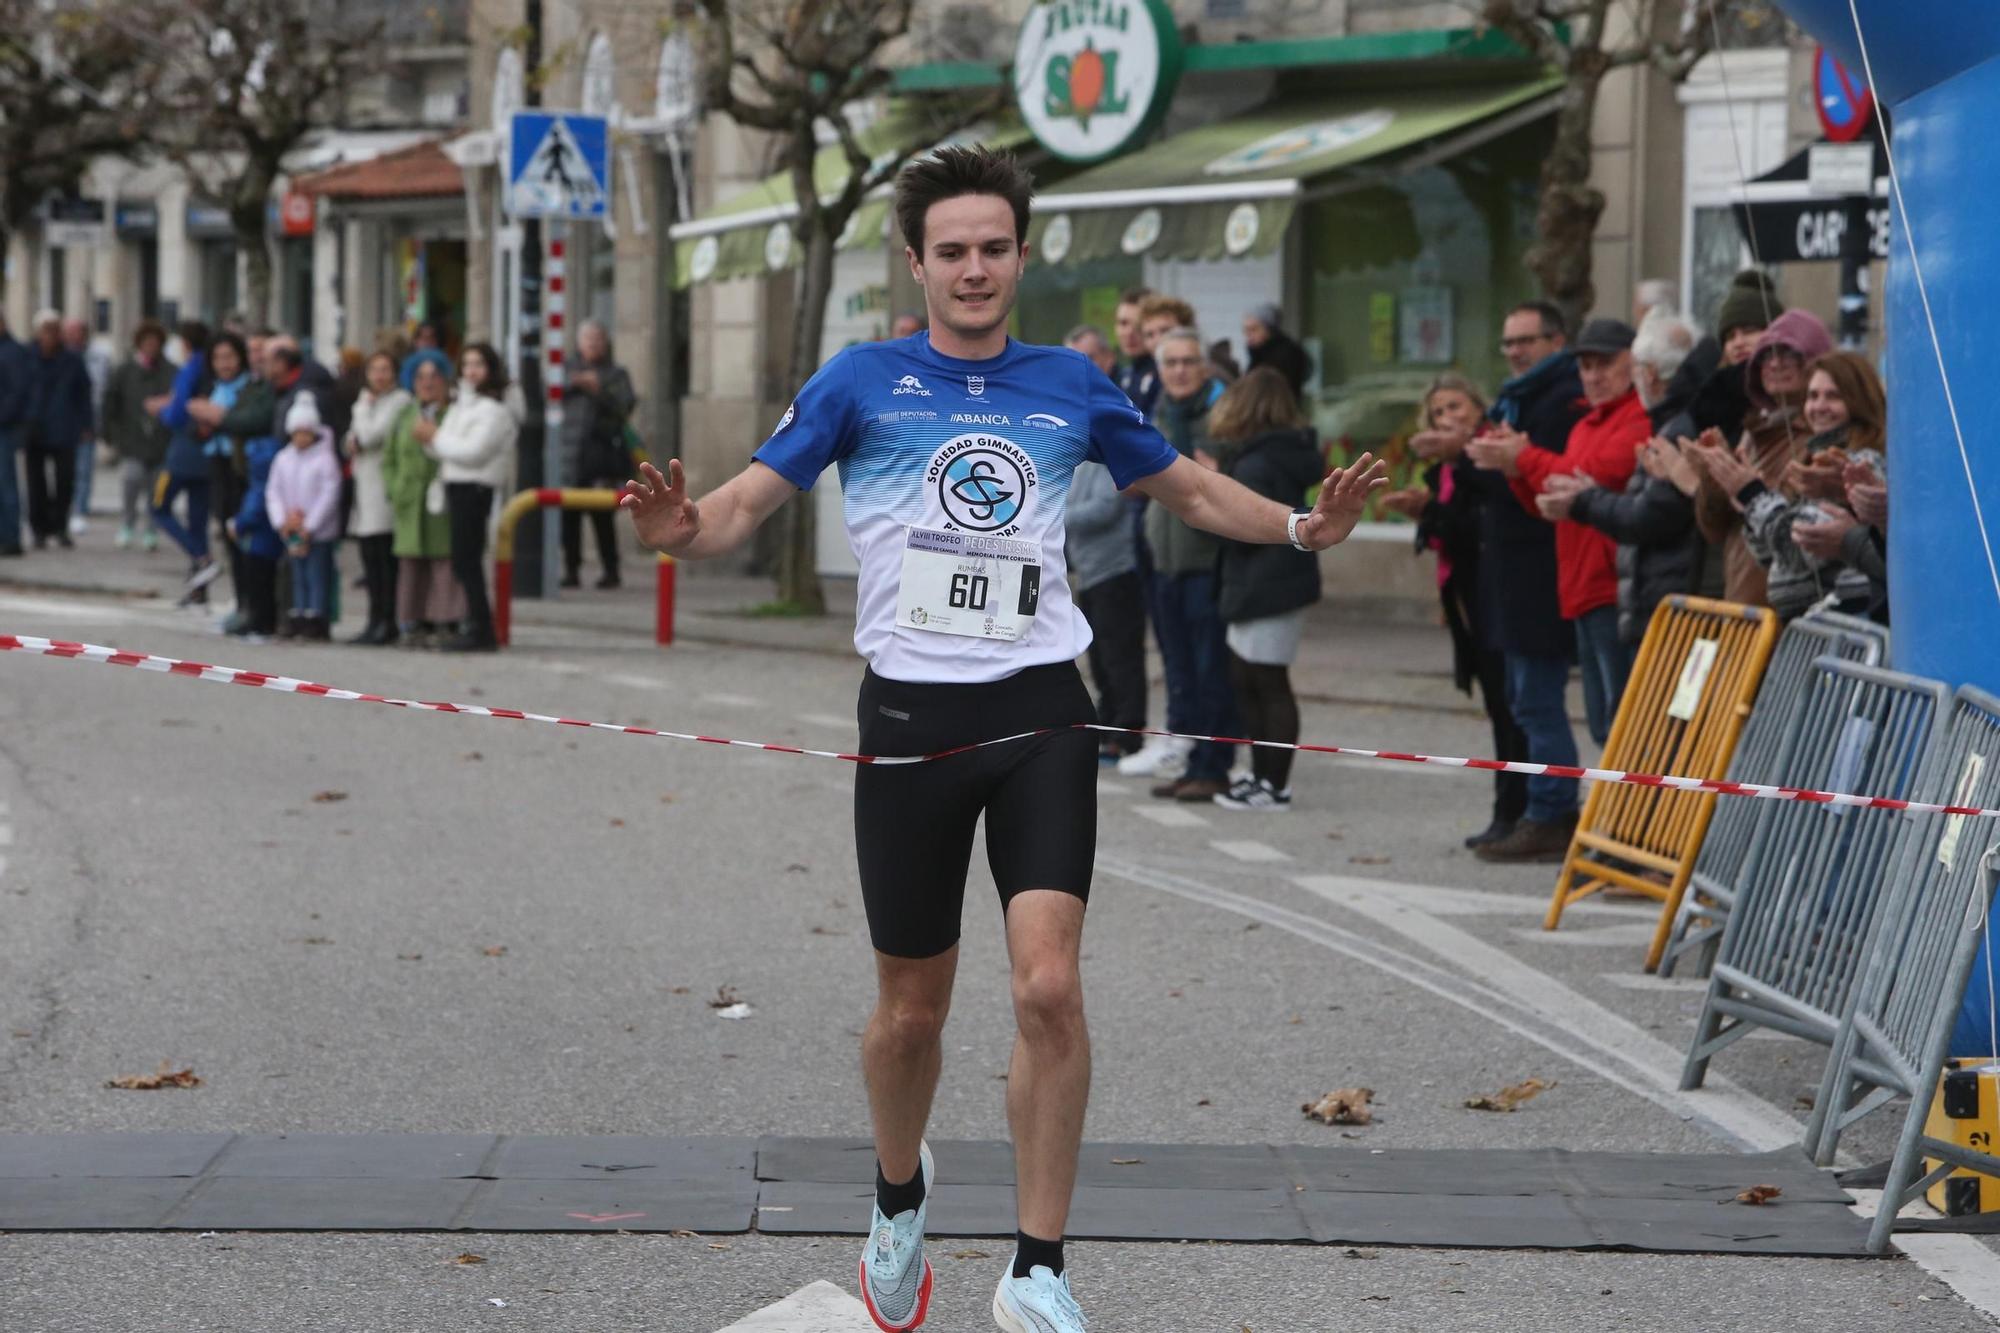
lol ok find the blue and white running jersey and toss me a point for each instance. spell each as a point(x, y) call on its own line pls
point(981, 448)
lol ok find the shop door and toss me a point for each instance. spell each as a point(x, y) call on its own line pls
point(444, 289)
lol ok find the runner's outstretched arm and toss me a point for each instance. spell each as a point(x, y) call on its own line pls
point(667, 519)
point(1213, 502)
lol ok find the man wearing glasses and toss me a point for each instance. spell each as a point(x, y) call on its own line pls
point(1517, 570)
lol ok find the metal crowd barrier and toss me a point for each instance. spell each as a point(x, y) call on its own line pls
point(1763, 754)
point(1810, 891)
point(1683, 708)
point(1893, 1040)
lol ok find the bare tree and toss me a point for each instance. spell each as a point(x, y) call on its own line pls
point(250, 80)
point(787, 67)
point(75, 84)
point(1586, 40)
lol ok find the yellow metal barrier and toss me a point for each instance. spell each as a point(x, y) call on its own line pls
point(552, 497)
point(1690, 692)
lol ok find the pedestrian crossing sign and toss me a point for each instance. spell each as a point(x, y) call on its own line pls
point(558, 165)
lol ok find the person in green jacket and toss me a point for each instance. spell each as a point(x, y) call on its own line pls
point(429, 602)
point(136, 435)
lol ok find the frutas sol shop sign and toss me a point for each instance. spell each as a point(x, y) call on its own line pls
point(1093, 75)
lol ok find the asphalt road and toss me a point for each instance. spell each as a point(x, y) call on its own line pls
point(347, 918)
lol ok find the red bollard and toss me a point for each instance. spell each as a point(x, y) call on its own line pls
point(663, 623)
point(503, 599)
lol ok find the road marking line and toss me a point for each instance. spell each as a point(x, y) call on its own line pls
point(1170, 816)
point(1636, 935)
point(828, 720)
point(1595, 1039)
point(1254, 852)
point(1466, 902)
point(1641, 981)
point(819, 1307)
point(632, 682)
point(730, 700)
point(1960, 1262)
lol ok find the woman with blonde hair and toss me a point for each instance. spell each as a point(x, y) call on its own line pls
point(1258, 437)
point(1447, 518)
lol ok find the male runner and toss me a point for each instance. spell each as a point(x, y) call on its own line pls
point(955, 449)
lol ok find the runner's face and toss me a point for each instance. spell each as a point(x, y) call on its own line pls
point(971, 264)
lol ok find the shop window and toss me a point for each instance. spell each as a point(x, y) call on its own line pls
point(1056, 298)
point(1411, 277)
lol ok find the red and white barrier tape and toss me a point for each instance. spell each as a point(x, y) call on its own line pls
point(173, 666)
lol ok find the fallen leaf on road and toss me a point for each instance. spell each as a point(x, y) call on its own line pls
point(1510, 1097)
point(472, 756)
point(328, 797)
point(409, 958)
point(798, 868)
point(495, 950)
point(1342, 1106)
point(718, 1245)
point(617, 823)
point(163, 1077)
point(822, 930)
point(970, 1254)
point(681, 1233)
point(1203, 1102)
point(1368, 861)
point(725, 996)
point(666, 798)
point(1352, 1253)
point(1127, 1161)
point(470, 1259)
point(1374, 1298)
point(677, 990)
point(1759, 1194)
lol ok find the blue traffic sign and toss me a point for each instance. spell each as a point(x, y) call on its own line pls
point(1843, 102)
point(558, 165)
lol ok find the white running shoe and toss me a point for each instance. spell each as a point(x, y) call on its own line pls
point(895, 1275)
point(1254, 794)
point(1038, 1303)
point(78, 525)
point(1159, 757)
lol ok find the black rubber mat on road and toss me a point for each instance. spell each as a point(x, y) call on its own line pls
point(1514, 1199)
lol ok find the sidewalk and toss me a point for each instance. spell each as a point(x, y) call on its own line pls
point(1343, 660)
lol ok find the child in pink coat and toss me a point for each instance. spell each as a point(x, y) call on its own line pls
point(303, 500)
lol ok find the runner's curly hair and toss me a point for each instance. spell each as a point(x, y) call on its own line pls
point(960, 169)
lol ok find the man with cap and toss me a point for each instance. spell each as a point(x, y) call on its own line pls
point(1603, 446)
point(1270, 345)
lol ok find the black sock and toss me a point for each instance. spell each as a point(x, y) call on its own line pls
point(1031, 1253)
point(903, 1198)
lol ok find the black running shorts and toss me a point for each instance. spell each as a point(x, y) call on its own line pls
point(913, 823)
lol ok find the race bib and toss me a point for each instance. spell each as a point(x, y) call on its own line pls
point(964, 583)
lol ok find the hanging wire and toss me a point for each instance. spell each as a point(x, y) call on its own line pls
point(1909, 231)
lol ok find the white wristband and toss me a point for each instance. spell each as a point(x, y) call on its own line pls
point(1292, 531)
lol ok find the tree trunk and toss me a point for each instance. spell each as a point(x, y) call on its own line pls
point(249, 212)
point(1566, 216)
point(798, 557)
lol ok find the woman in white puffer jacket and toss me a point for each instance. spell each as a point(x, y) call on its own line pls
point(474, 445)
point(374, 522)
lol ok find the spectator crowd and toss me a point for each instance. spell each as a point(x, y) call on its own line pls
point(257, 463)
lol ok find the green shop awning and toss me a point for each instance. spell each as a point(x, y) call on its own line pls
point(1227, 190)
point(751, 232)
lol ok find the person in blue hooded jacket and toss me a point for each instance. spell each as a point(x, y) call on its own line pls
point(258, 542)
point(185, 471)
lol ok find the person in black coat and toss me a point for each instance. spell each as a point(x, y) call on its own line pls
point(1260, 439)
point(1517, 572)
point(1448, 513)
point(58, 417)
point(16, 381)
point(1270, 345)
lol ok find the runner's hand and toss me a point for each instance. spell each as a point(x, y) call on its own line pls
point(665, 519)
point(1342, 497)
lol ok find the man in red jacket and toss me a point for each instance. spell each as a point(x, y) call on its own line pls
point(1603, 448)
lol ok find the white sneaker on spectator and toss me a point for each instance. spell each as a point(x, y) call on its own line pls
point(1159, 757)
point(78, 525)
